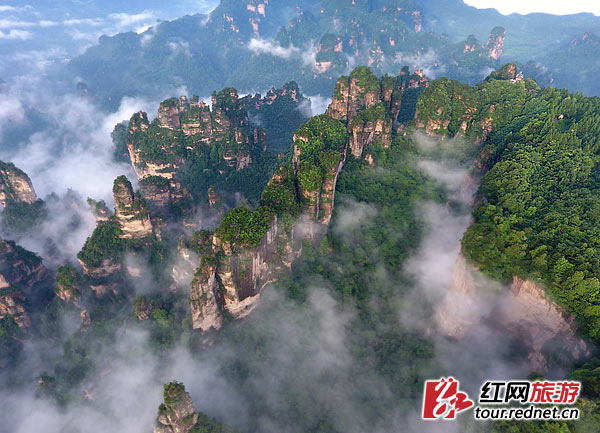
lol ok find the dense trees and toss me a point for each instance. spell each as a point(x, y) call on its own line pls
point(540, 216)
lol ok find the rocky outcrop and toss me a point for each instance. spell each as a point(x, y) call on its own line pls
point(142, 308)
point(68, 284)
point(368, 128)
point(86, 320)
point(251, 248)
point(258, 101)
point(470, 113)
point(152, 161)
point(232, 284)
point(160, 148)
point(507, 72)
point(15, 185)
point(166, 197)
point(495, 43)
point(206, 299)
point(106, 269)
point(11, 304)
point(21, 273)
point(99, 209)
point(131, 211)
point(177, 413)
point(371, 106)
point(361, 90)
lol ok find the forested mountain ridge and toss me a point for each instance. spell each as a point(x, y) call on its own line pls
point(336, 224)
point(243, 44)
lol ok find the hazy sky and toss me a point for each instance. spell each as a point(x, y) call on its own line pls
point(550, 6)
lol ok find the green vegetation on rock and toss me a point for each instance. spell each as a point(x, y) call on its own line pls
point(104, 243)
point(243, 227)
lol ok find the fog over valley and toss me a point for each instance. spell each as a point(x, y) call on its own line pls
point(245, 216)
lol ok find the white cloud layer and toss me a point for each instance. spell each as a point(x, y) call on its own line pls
point(530, 6)
point(264, 46)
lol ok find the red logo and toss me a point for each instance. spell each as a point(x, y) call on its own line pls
point(443, 400)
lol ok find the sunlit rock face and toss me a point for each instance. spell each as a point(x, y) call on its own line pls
point(131, 211)
point(495, 44)
point(363, 101)
point(15, 185)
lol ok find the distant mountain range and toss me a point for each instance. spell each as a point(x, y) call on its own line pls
point(254, 44)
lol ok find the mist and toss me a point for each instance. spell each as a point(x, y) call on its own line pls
point(245, 374)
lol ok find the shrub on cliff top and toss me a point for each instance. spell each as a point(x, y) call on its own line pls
point(243, 227)
point(173, 393)
point(104, 243)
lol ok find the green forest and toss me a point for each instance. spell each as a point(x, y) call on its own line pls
point(332, 320)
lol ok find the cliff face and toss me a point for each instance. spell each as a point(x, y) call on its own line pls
point(245, 273)
point(372, 106)
point(231, 284)
point(522, 310)
point(131, 211)
point(252, 248)
point(20, 274)
point(15, 185)
point(166, 197)
point(11, 304)
point(495, 43)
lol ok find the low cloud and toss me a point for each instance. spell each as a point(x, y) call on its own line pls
point(7, 8)
point(428, 61)
point(318, 105)
point(78, 154)
point(124, 19)
point(13, 34)
point(264, 46)
point(180, 47)
point(11, 110)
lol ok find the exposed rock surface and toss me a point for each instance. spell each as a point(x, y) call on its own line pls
point(142, 308)
point(522, 310)
point(68, 287)
point(166, 197)
point(131, 210)
point(159, 148)
point(257, 101)
point(11, 304)
point(177, 414)
point(363, 110)
point(495, 44)
point(364, 101)
point(469, 115)
point(15, 185)
point(21, 272)
point(206, 300)
point(233, 284)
